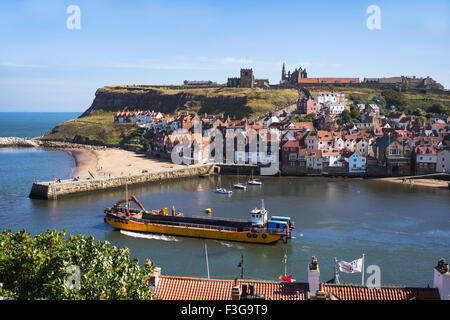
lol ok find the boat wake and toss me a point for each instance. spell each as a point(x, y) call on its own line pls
point(230, 245)
point(148, 236)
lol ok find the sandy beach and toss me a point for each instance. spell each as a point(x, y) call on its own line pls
point(433, 183)
point(115, 162)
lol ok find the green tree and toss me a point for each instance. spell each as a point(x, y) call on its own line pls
point(355, 114)
point(438, 108)
point(345, 117)
point(36, 267)
point(393, 97)
point(379, 100)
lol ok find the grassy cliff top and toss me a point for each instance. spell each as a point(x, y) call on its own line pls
point(238, 103)
point(98, 129)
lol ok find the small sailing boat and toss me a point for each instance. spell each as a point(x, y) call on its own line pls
point(254, 182)
point(239, 185)
point(222, 190)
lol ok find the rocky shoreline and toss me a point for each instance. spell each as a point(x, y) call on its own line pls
point(7, 142)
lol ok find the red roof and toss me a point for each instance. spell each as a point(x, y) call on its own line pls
point(355, 292)
point(291, 144)
point(302, 125)
point(426, 150)
point(186, 288)
point(328, 80)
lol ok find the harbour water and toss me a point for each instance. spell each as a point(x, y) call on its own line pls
point(402, 229)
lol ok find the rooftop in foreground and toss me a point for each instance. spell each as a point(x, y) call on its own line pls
point(190, 288)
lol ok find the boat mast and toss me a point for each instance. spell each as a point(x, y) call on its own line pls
point(126, 197)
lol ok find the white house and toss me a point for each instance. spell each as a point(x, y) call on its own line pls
point(339, 143)
point(443, 161)
point(272, 119)
point(331, 157)
point(329, 97)
point(356, 163)
point(362, 147)
point(335, 107)
point(312, 142)
point(350, 144)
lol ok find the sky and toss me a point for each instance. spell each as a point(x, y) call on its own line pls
point(46, 66)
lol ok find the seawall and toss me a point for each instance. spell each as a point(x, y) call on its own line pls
point(53, 190)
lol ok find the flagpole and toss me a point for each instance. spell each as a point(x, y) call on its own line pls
point(285, 263)
point(335, 270)
point(362, 271)
point(242, 267)
point(207, 264)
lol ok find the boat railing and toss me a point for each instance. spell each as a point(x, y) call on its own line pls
point(222, 219)
point(189, 225)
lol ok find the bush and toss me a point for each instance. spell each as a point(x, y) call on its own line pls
point(37, 268)
point(393, 97)
point(437, 108)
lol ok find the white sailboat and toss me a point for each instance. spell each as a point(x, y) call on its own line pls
point(221, 190)
point(239, 185)
point(254, 182)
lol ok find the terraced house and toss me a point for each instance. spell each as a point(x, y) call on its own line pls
point(425, 159)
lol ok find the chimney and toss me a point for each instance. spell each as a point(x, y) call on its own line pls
point(441, 279)
point(313, 276)
point(154, 277)
point(236, 291)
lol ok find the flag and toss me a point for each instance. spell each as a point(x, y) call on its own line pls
point(287, 279)
point(351, 267)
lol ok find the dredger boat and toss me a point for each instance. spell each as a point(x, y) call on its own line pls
point(258, 229)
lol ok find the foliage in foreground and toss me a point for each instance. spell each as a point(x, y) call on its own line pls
point(36, 267)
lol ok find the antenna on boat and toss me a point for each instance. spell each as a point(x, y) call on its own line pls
point(207, 263)
point(126, 197)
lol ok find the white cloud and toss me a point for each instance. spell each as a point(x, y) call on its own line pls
point(157, 66)
point(19, 65)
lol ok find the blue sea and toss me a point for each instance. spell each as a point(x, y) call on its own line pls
point(19, 167)
point(402, 229)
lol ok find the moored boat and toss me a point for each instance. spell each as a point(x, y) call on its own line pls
point(254, 182)
point(239, 185)
point(223, 191)
point(258, 229)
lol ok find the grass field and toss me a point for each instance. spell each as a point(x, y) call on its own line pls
point(99, 128)
point(238, 103)
point(413, 99)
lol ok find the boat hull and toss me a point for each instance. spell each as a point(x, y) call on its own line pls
point(245, 236)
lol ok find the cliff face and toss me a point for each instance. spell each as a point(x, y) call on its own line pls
point(238, 103)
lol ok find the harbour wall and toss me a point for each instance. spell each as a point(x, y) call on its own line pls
point(53, 189)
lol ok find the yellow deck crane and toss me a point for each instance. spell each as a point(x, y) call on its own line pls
point(132, 198)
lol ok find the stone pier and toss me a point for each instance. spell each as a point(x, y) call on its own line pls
point(54, 190)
